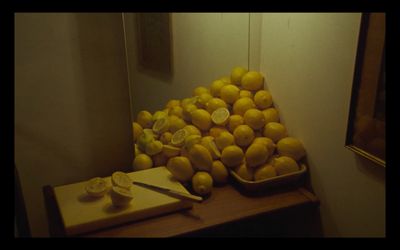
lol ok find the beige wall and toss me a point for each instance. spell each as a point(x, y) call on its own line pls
point(72, 117)
point(308, 61)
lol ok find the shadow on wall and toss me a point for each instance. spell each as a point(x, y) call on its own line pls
point(371, 169)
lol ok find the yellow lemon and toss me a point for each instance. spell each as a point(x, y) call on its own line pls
point(256, 154)
point(209, 143)
point(216, 131)
point(188, 100)
point(142, 161)
point(137, 130)
point(226, 79)
point(234, 121)
point(285, 165)
point(202, 183)
point(263, 99)
point(254, 118)
point(200, 90)
point(271, 115)
point(159, 160)
point(177, 111)
point(193, 130)
point(230, 93)
point(96, 187)
point(200, 157)
point(264, 172)
point(242, 105)
point(236, 75)
point(166, 137)
point(172, 103)
point(145, 119)
point(219, 173)
point(192, 140)
point(170, 151)
point(144, 138)
point(203, 100)
point(246, 93)
point(158, 115)
point(153, 147)
point(121, 179)
point(244, 135)
point(252, 80)
point(201, 119)
point(181, 168)
point(224, 139)
point(275, 131)
point(161, 125)
point(175, 123)
point(137, 150)
point(187, 112)
point(245, 172)
point(220, 116)
point(232, 156)
point(214, 104)
point(215, 87)
point(178, 138)
point(292, 147)
point(120, 196)
point(266, 142)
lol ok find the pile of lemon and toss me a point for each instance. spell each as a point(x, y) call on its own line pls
point(232, 124)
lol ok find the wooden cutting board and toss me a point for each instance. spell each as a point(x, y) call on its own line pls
point(81, 213)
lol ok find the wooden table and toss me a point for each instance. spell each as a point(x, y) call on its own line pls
point(227, 205)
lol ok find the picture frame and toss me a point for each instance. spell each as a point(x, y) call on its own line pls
point(367, 123)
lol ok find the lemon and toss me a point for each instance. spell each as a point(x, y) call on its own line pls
point(254, 118)
point(264, 172)
point(146, 137)
point(219, 173)
point(96, 187)
point(226, 79)
point(285, 165)
point(178, 138)
point(200, 90)
point(159, 160)
point(120, 196)
point(172, 103)
point(188, 100)
point(256, 154)
point(177, 111)
point(214, 104)
point(245, 172)
point(203, 100)
point(224, 139)
point(192, 130)
point(181, 168)
point(242, 105)
point(175, 123)
point(220, 116)
point(159, 114)
point(200, 157)
point(153, 147)
point(229, 93)
point(121, 179)
point(246, 93)
point(263, 99)
point(232, 156)
point(137, 130)
point(215, 87)
point(170, 151)
point(201, 119)
point(161, 125)
point(275, 131)
point(202, 183)
point(216, 131)
point(142, 161)
point(187, 112)
point(270, 115)
point(209, 143)
point(244, 135)
point(165, 138)
point(252, 80)
point(291, 147)
point(137, 150)
point(145, 119)
point(234, 121)
point(191, 140)
point(266, 142)
point(236, 75)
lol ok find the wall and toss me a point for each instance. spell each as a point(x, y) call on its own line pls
point(206, 46)
point(308, 61)
point(72, 116)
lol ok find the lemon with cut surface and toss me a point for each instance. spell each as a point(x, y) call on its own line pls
point(263, 99)
point(201, 119)
point(292, 147)
point(275, 131)
point(200, 157)
point(181, 168)
point(219, 172)
point(270, 115)
point(215, 87)
point(141, 162)
point(200, 90)
point(137, 130)
point(188, 100)
point(171, 151)
point(166, 137)
point(96, 187)
point(202, 183)
point(254, 118)
point(214, 104)
point(242, 105)
point(178, 138)
point(234, 121)
point(232, 156)
point(121, 179)
point(191, 140)
point(159, 114)
point(264, 172)
point(285, 165)
point(220, 116)
point(229, 93)
point(193, 130)
point(236, 75)
point(145, 119)
point(245, 172)
point(252, 81)
point(154, 147)
point(120, 196)
point(256, 155)
point(175, 123)
point(209, 143)
point(224, 139)
point(161, 125)
point(244, 135)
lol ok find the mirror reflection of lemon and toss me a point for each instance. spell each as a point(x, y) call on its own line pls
point(141, 162)
point(232, 156)
point(285, 165)
point(171, 151)
point(256, 155)
point(203, 100)
point(200, 90)
point(242, 105)
point(224, 139)
point(172, 103)
point(181, 168)
point(96, 187)
point(165, 138)
point(292, 147)
point(234, 121)
point(202, 183)
point(161, 125)
point(245, 172)
point(145, 119)
point(215, 87)
point(137, 130)
point(244, 135)
point(271, 115)
point(229, 93)
point(175, 123)
point(120, 196)
point(246, 93)
point(219, 172)
point(209, 143)
point(254, 118)
point(187, 112)
point(236, 75)
point(252, 80)
point(178, 138)
point(200, 157)
point(177, 111)
point(264, 172)
point(201, 119)
point(275, 131)
point(214, 104)
point(266, 142)
point(220, 116)
point(193, 130)
point(263, 99)
point(154, 147)
point(121, 179)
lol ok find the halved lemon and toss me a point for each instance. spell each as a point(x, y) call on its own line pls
point(96, 187)
point(161, 125)
point(120, 196)
point(178, 138)
point(220, 116)
point(171, 151)
point(121, 179)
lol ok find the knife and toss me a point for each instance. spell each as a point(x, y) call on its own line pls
point(174, 193)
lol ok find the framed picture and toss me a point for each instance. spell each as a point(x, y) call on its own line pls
point(366, 123)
